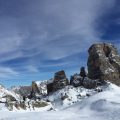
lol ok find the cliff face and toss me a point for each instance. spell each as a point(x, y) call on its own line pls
point(104, 63)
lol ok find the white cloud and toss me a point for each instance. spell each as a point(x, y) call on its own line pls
point(6, 72)
point(32, 69)
point(72, 18)
point(53, 28)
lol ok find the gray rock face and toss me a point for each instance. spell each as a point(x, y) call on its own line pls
point(45, 87)
point(60, 80)
point(86, 82)
point(89, 83)
point(104, 63)
point(76, 80)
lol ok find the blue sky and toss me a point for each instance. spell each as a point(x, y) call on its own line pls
point(40, 37)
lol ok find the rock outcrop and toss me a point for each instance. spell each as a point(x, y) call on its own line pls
point(35, 90)
point(60, 80)
point(35, 87)
point(76, 80)
point(49, 87)
point(104, 63)
point(89, 83)
point(45, 87)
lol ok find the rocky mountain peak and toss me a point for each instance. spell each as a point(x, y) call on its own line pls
point(104, 63)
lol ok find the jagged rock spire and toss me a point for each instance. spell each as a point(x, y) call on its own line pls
point(104, 63)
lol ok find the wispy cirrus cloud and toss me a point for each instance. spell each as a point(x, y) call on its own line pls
point(33, 32)
point(6, 72)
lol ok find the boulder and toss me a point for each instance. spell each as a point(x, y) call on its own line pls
point(104, 63)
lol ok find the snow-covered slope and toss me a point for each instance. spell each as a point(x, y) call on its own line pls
point(104, 105)
point(101, 106)
point(70, 95)
point(4, 92)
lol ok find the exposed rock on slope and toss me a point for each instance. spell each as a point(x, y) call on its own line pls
point(35, 89)
point(76, 80)
point(104, 63)
point(60, 80)
point(45, 87)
